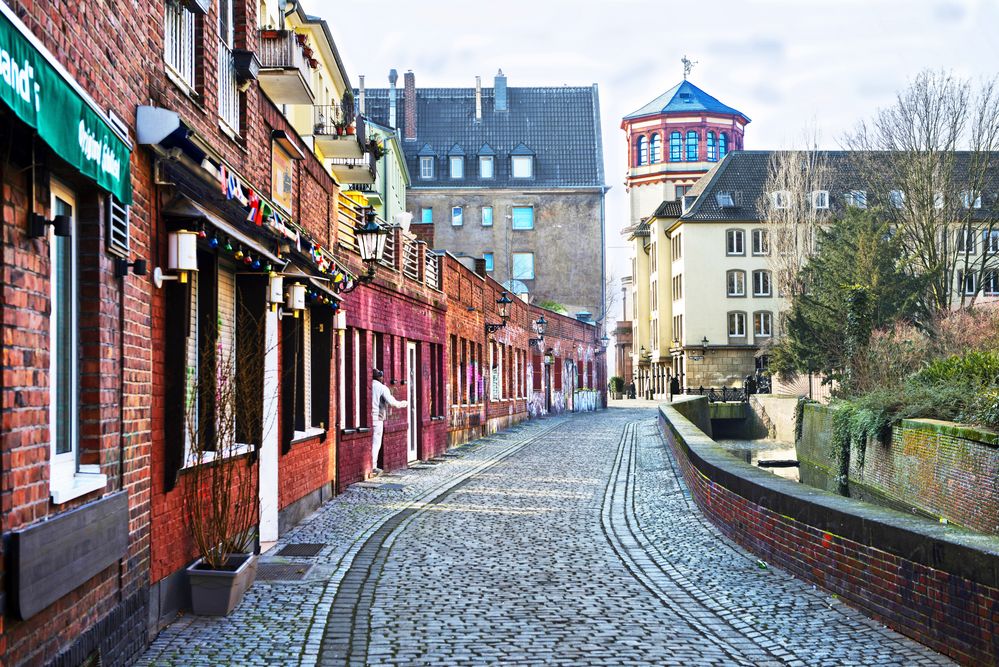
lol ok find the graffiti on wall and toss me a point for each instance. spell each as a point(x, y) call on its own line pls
point(558, 402)
point(536, 404)
point(585, 401)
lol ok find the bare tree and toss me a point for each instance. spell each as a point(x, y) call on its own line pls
point(792, 217)
point(928, 161)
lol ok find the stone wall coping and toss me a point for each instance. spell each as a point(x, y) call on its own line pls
point(964, 553)
point(974, 433)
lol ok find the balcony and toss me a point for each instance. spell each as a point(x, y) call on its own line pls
point(353, 171)
point(285, 73)
point(334, 137)
point(371, 191)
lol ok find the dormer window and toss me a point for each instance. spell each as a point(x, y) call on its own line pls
point(457, 166)
point(725, 200)
point(523, 166)
point(971, 200)
point(426, 167)
point(485, 166)
point(781, 199)
point(856, 198)
point(820, 199)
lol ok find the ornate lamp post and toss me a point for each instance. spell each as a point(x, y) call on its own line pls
point(504, 301)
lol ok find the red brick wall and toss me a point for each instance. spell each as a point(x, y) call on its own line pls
point(114, 365)
point(948, 612)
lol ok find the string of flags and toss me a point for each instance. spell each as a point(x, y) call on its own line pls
point(261, 213)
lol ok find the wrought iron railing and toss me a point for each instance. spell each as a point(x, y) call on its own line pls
point(388, 257)
point(368, 162)
point(722, 395)
point(326, 118)
point(178, 40)
point(228, 88)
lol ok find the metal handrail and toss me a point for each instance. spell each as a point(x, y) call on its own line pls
point(410, 258)
point(432, 271)
point(350, 216)
point(283, 52)
point(388, 256)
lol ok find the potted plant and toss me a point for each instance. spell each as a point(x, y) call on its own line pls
point(616, 385)
point(300, 37)
point(224, 417)
point(347, 106)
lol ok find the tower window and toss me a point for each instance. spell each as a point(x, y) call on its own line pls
point(692, 141)
point(643, 151)
point(712, 148)
point(656, 149)
point(674, 147)
point(722, 145)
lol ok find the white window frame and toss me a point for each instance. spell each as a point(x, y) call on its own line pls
point(759, 277)
point(513, 218)
point(487, 160)
point(761, 242)
point(939, 200)
point(513, 264)
point(179, 37)
point(732, 235)
point(311, 430)
point(990, 283)
point(67, 479)
point(522, 160)
point(966, 242)
point(967, 283)
point(820, 199)
point(990, 240)
point(857, 199)
point(896, 198)
point(781, 199)
point(426, 167)
point(966, 201)
point(487, 219)
point(456, 165)
point(457, 216)
point(738, 288)
point(739, 319)
point(763, 324)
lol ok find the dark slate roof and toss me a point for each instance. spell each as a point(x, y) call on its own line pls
point(743, 174)
point(684, 97)
point(668, 209)
point(560, 126)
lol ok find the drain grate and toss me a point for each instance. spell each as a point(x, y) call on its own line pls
point(302, 550)
point(282, 571)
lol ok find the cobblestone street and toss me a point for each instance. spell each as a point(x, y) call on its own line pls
point(568, 541)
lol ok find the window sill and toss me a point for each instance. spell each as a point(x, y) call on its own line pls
point(186, 88)
point(307, 434)
point(88, 480)
point(211, 457)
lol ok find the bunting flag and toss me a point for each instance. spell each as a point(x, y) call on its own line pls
point(254, 206)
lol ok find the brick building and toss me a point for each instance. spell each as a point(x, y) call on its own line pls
point(181, 206)
point(509, 174)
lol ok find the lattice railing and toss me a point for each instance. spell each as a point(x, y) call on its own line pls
point(410, 257)
point(431, 274)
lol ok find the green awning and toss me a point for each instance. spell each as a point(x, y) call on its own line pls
point(44, 98)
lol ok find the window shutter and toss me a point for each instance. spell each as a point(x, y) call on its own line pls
point(537, 369)
point(177, 318)
point(251, 292)
point(289, 379)
point(118, 235)
point(322, 353)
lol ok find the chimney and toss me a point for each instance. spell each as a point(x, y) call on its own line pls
point(478, 99)
point(409, 100)
point(360, 94)
point(499, 92)
point(393, 77)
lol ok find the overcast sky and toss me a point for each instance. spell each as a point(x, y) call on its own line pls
point(786, 64)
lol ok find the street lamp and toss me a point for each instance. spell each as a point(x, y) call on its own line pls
point(504, 314)
point(704, 346)
point(371, 245)
point(539, 325)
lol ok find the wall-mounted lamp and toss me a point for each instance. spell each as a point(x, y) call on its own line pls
point(61, 225)
point(539, 325)
point(122, 265)
point(182, 256)
point(294, 299)
point(275, 290)
point(504, 301)
point(604, 341)
point(704, 345)
point(371, 246)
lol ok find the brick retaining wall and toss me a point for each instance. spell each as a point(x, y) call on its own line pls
point(937, 584)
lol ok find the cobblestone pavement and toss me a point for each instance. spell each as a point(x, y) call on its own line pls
point(567, 541)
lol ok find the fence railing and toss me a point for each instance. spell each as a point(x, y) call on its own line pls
point(719, 395)
point(350, 216)
point(410, 257)
point(280, 50)
point(228, 88)
point(178, 40)
point(431, 274)
point(326, 118)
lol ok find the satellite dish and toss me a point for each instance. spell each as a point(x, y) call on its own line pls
point(403, 220)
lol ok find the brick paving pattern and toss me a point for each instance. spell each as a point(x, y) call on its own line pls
point(566, 541)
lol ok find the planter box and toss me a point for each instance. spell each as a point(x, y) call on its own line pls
point(218, 592)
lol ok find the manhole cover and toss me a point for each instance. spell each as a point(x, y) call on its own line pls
point(282, 571)
point(301, 550)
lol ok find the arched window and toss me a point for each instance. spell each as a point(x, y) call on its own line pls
point(674, 147)
point(642, 148)
point(656, 149)
point(691, 146)
point(712, 153)
point(722, 145)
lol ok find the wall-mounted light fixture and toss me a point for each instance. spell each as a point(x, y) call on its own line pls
point(275, 290)
point(182, 256)
point(61, 225)
point(704, 345)
point(122, 265)
point(504, 301)
point(370, 245)
point(294, 299)
point(539, 325)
